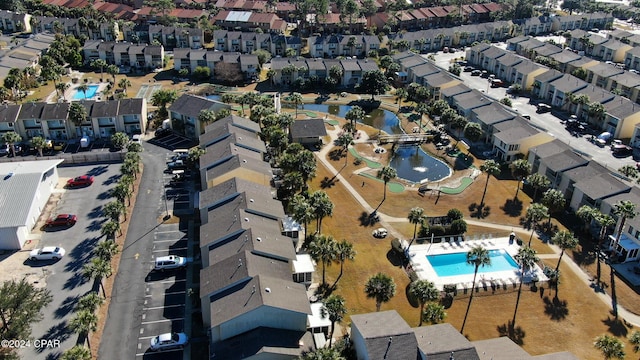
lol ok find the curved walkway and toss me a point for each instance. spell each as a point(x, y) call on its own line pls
point(386, 219)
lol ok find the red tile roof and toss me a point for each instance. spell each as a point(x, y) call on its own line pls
point(492, 7)
point(479, 9)
point(438, 11)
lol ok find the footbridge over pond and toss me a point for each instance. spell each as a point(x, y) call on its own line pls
point(402, 139)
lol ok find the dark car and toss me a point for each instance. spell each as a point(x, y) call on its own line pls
point(62, 220)
point(84, 180)
point(469, 68)
point(476, 73)
point(543, 108)
point(621, 150)
point(162, 132)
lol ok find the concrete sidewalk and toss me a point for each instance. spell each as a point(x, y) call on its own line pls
point(386, 219)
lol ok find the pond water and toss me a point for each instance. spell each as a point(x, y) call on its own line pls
point(411, 162)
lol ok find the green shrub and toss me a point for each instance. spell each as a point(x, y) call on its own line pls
point(454, 214)
point(458, 227)
point(438, 230)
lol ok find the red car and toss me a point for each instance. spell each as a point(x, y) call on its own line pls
point(84, 180)
point(62, 220)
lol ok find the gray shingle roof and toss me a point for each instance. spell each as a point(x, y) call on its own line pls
point(130, 106)
point(548, 149)
point(470, 100)
point(501, 348)
point(564, 161)
point(264, 341)
point(395, 339)
point(104, 109)
point(259, 167)
point(191, 105)
point(223, 150)
point(565, 56)
point(549, 76)
point(240, 267)
point(230, 124)
point(437, 342)
point(31, 110)
point(232, 188)
point(9, 113)
point(592, 169)
point(425, 69)
point(55, 111)
point(622, 108)
point(492, 114)
point(569, 83)
point(269, 245)
point(601, 186)
point(515, 134)
point(276, 294)
point(308, 128)
point(455, 90)
point(438, 79)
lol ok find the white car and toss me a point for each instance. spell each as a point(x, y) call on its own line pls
point(380, 233)
point(169, 341)
point(169, 262)
point(47, 253)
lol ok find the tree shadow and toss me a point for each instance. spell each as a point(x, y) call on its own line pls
point(480, 211)
point(74, 281)
point(60, 331)
point(367, 220)
point(616, 326)
point(336, 154)
point(412, 299)
point(512, 207)
point(516, 334)
point(394, 258)
point(112, 179)
point(96, 224)
point(81, 254)
point(67, 305)
point(104, 195)
point(556, 309)
point(53, 355)
point(327, 183)
point(584, 256)
point(95, 212)
point(98, 170)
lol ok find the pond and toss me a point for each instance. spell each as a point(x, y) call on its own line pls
point(411, 162)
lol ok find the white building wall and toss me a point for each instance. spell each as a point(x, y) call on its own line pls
point(9, 239)
point(358, 344)
point(576, 199)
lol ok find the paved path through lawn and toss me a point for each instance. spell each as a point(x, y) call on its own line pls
point(385, 220)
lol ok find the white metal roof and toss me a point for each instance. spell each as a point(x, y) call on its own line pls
point(316, 320)
point(18, 189)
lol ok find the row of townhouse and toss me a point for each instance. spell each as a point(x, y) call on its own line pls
point(11, 22)
point(51, 121)
point(287, 70)
point(124, 54)
point(169, 36)
point(546, 24)
point(416, 69)
point(185, 110)
point(253, 284)
point(334, 45)
point(25, 55)
point(93, 30)
point(248, 42)
point(249, 21)
point(561, 90)
point(217, 62)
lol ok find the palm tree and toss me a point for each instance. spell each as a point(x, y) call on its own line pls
point(98, 269)
point(344, 140)
point(605, 221)
point(344, 252)
point(520, 169)
point(334, 306)
point(610, 347)
point(401, 94)
point(554, 200)
point(565, 241)
point(89, 302)
point(39, 143)
point(624, 209)
point(113, 210)
point(83, 323)
point(296, 99)
point(527, 259)
point(321, 206)
point(11, 138)
point(490, 167)
point(113, 70)
point(163, 97)
point(301, 211)
point(353, 115)
point(323, 249)
point(424, 291)
point(387, 173)
point(537, 182)
point(478, 256)
point(124, 84)
point(110, 228)
point(121, 192)
point(106, 250)
point(434, 313)
point(99, 64)
point(416, 217)
point(535, 213)
point(322, 354)
point(84, 88)
point(77, 352)
point(380, 287)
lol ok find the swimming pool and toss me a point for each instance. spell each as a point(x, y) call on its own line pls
point(456, 263)
point(80, 95)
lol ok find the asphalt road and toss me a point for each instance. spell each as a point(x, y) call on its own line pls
point(548, 122)
point(64, 278)
point(144, 305)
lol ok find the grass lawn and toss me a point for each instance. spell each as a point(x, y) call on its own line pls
point(543, 325)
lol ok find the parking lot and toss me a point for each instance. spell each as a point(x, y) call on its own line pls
point(165, 293)
point(171, 141)
point(64, 278)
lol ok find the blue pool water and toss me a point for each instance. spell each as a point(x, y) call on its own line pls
point(456, 263)
point(91, 92)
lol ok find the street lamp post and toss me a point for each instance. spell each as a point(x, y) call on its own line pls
point(166, 205)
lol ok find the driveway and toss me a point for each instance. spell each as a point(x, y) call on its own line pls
point(64, 278)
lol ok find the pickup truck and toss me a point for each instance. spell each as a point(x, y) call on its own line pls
point(176, 165)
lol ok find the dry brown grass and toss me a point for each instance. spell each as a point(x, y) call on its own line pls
point(569, 324)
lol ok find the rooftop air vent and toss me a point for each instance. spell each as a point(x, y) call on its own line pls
point(267, 290)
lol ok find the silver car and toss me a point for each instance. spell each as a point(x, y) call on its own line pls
point(47, 253)
point(169, 341)
point(169, 262)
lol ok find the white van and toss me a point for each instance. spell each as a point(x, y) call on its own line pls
point(137, 139)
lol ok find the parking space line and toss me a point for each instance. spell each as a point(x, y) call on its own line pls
point(163, 241)
point(166, 281)
point(164, 352)
point(162, 307)
point(145, 337)
point(168, 232)
point(184, 248)
point(169, 293)
point(161, 321)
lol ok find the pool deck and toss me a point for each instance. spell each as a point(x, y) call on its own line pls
point(419, 263)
